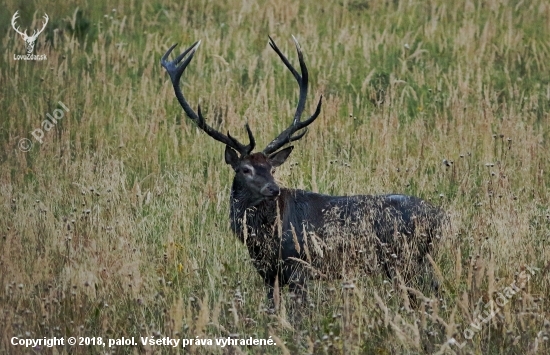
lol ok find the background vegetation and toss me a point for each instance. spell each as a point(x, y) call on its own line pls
point(117, 225)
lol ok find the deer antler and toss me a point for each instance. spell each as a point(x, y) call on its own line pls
point(175, 70)
point(24, 34)
point(13, 24)
point(287, 135)
point(34, 34)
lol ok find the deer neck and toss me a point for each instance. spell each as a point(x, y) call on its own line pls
point(259, 215)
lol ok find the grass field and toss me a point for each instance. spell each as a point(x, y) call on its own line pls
point(116, 225)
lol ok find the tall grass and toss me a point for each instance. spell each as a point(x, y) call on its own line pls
point(117, 225)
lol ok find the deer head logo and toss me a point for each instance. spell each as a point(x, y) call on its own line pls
point(29, 40)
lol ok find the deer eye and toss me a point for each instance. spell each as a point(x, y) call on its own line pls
point(246, 171)
point(272, 170)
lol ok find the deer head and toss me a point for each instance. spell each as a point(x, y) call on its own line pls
point(254, 173)
point(253, 170)
point(29, 40)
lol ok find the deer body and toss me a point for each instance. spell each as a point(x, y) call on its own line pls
point(292, 235)
point(297, 213)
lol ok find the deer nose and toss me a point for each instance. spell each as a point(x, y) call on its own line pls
point(275, 191)
point(271, 190)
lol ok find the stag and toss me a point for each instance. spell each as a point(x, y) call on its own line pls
point(293, 235)
point(29, 40)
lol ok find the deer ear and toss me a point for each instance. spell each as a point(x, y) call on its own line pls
point(278, 158)
point(231, 157)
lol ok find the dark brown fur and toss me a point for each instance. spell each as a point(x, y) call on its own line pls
point(294, 234)
point(352, 233)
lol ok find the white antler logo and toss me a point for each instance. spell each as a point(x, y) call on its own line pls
point(29, 40)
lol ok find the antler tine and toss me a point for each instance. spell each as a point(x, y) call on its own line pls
point(244, 149)
point(287, 135)
point(45, 17)
point(13, 24)
point(175, 69)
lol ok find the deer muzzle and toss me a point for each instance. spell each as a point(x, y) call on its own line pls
point(270, 190)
